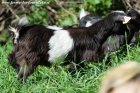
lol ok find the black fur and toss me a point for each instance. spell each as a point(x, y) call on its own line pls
point(115, 41)
point(91, 18)
point(32, 47)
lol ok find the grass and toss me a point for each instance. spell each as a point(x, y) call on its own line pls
point(59, 80)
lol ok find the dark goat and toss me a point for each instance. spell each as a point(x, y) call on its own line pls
point(87, 20)
point(132, 31)
point(115, 41)
point(134, 25)
point(41, 45)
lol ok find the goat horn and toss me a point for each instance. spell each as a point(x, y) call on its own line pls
point(126, 19)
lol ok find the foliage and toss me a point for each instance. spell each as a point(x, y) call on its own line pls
point(99, 7)
point(58, 79)
point(66, 13)
point(38, 15)
point(51, 12)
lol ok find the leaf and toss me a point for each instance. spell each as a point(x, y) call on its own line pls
point(67, 21)
point(93, 1)
point(108, 3)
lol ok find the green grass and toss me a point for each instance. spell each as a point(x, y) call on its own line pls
point(59, 80)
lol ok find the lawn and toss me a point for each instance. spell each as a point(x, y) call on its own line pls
point(58, 79)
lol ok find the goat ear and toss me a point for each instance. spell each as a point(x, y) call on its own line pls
point(82, 13)
point(23, 21)
point(126, 19)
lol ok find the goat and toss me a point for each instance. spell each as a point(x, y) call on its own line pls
point(41, 45)
point(115, 41)
point(87, 20)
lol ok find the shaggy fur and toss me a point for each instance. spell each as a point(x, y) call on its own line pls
point(115, 41)
point(33, 44)
point(91, 19)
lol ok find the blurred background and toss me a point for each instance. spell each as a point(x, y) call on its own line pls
point(55, 12)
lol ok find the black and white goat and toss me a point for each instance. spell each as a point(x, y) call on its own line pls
point(40, 45)
point(115, 41)
point(86, 19)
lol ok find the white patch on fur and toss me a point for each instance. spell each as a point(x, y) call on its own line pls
point(126, 19)
point(119, 11)
point(54, 27)
point(88, 24)
point(16, 37)
point(108, 48)
point(60, 44)
point(82, 13)
point(23, 21)
point(16, 33)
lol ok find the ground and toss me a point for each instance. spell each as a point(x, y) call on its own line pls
point(58, 79)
